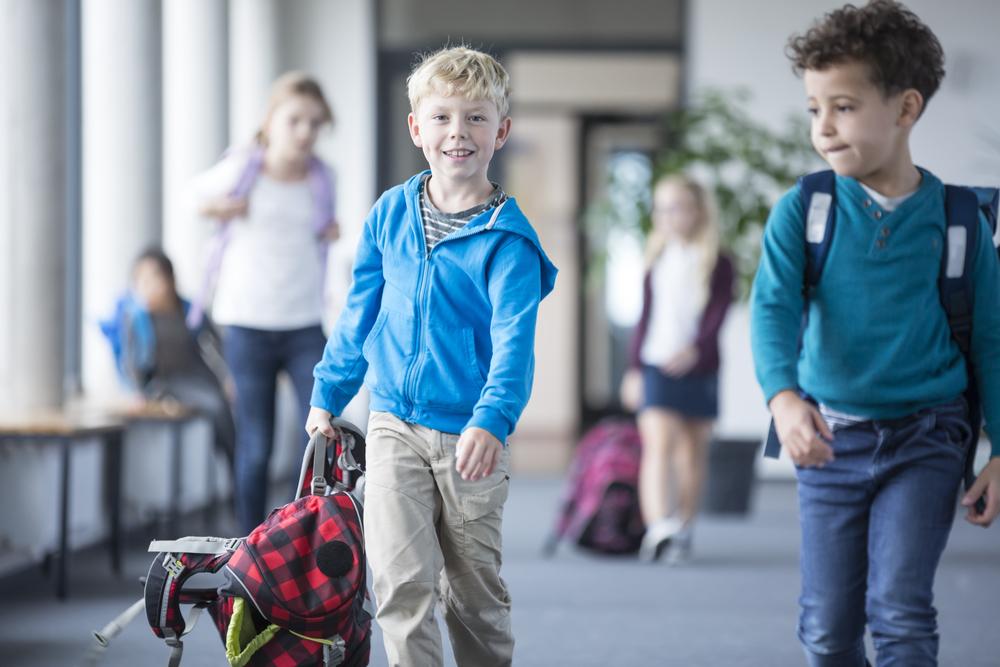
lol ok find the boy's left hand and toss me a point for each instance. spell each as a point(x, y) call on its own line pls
point(478, 453)
point(988, 484)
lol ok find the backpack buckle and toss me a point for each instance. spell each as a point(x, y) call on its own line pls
point(318, 485)
point(231, 544)
point(334, 652)
point(172, 565)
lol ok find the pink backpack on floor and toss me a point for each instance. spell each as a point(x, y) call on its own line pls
point(600, 510)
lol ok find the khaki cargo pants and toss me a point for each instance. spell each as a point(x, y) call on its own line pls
point(429, 534)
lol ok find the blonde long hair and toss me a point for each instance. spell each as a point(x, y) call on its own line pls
point(706, 233)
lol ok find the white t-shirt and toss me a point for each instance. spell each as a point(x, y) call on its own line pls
point(888, 203)
point(678, 301)
point(270, 277)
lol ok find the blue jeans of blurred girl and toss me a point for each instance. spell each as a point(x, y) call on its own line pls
point(874, 524)
point(255, 357)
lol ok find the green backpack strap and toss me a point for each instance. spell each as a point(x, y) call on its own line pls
point(242, 639)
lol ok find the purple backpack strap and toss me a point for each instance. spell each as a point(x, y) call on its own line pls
point(320, 184)
point(322, 192)
point(219, 240)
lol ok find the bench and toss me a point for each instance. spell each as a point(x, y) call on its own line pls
point(64, 428)
point(82, 421)
point(174, 416)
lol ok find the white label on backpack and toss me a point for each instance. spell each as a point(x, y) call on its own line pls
point(956, 252)
point(819, 209)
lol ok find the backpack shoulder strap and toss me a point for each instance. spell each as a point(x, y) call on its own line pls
point(962, 208)
point(989, 202)
point(163, 591)
point(817, 192)
point(217, 248)
point(248, 176)
point(960, 242)
point(321, 185)
point(818, 195)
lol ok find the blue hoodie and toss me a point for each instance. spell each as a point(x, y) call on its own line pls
point(444, 339)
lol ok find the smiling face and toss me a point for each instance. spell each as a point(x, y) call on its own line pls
point(458, 137)
point(858, 130)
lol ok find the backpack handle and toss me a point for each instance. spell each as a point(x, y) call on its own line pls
point(315, 457)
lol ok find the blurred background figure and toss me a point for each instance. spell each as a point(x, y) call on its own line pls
point(159, 357)
point(674, 375)
point(273, 199)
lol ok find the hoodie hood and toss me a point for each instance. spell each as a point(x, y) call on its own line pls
point(508, 217)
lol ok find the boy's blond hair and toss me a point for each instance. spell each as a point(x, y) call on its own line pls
point(459, 70)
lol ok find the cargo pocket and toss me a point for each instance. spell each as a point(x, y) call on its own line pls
point(482, 515)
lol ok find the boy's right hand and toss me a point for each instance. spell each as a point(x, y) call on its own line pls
point(319, 419)
point(801, 429)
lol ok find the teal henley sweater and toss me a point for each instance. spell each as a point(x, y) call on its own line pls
point(877, 343)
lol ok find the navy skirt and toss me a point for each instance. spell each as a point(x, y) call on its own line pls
point(693, 395)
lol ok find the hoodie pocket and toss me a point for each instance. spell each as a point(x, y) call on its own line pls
point(450, 377)
point(388, 349)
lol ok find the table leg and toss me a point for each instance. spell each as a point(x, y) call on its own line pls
point(113, 498)
point(62, 564)
point(210, 471)
point(176, 455)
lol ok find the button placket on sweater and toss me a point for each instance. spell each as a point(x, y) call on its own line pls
point(882, 231)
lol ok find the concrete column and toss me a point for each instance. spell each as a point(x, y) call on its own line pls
point(254, 57)
point(121, 161)
point(195, 123)
point(33, 181)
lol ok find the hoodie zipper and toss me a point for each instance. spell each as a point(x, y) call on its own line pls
point(409, 378)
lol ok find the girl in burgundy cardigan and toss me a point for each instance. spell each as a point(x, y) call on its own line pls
point(673, 378)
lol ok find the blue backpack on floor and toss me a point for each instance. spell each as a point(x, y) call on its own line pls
point(963, 206)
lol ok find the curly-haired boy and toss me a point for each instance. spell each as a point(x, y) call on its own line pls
point(872, 411)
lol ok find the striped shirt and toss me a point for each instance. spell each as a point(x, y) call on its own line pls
point(438, 224)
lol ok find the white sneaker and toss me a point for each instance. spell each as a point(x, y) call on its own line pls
point(679, 551)
point(658, 537)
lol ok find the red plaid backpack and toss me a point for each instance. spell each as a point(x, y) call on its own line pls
point(293, 593)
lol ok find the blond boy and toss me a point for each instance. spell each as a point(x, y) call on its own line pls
point(440, 325)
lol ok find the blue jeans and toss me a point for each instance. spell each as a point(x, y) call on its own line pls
point(874, 524)
point(255, 357)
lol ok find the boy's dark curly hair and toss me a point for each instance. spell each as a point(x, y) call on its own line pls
point(900, 50)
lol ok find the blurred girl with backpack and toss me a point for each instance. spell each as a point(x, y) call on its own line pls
point(674, 362)
point(273, 200)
